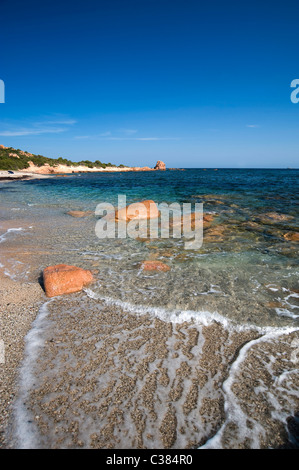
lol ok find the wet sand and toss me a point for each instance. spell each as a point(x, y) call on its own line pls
point(19, 304)
point(109, 378)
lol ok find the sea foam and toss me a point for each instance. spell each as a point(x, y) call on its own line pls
point(25, 431)
point(201, 317)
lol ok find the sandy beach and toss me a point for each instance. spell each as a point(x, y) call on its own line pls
point(19, 304)
point(5, 176)
point(134, 372)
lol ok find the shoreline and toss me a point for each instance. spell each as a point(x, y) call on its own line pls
point(19, 306)
point(175, 385)
point(19, 176)
point(197, 350)
point(55, 166)
point(61, 170)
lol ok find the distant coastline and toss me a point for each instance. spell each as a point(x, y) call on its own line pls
point(24, 164)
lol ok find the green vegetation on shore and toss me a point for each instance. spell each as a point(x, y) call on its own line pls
point(12, 159)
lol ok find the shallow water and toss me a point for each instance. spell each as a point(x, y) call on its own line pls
point(246, 270)
point(244, 279)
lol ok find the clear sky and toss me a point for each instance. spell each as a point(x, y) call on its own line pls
point(193, 83)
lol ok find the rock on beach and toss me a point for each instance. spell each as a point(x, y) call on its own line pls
point(64, 279)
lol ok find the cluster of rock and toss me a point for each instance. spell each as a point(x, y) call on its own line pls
point(65, 279)
point(160, 165)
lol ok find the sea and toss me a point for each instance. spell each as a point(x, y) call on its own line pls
point(204, 355)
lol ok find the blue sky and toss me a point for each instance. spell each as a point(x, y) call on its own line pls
point(192, 83)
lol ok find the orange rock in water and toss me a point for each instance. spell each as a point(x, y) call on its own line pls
point(160, 165)
point(64, 279)
point(154, 266)
point(208, 218)
point(292, 236)
point(79, 214)
point(190, 219)
point(215, 234)
point(139, 211)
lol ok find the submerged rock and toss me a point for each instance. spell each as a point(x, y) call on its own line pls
point(250, 225)
point(190, 219)
point(154, 266)
point(139, 210)
point(291, 236)
point(274, 217)
point(215, 234)
point(64, 279)
point(79, 214)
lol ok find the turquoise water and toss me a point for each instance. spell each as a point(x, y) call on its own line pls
point(246, 270)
